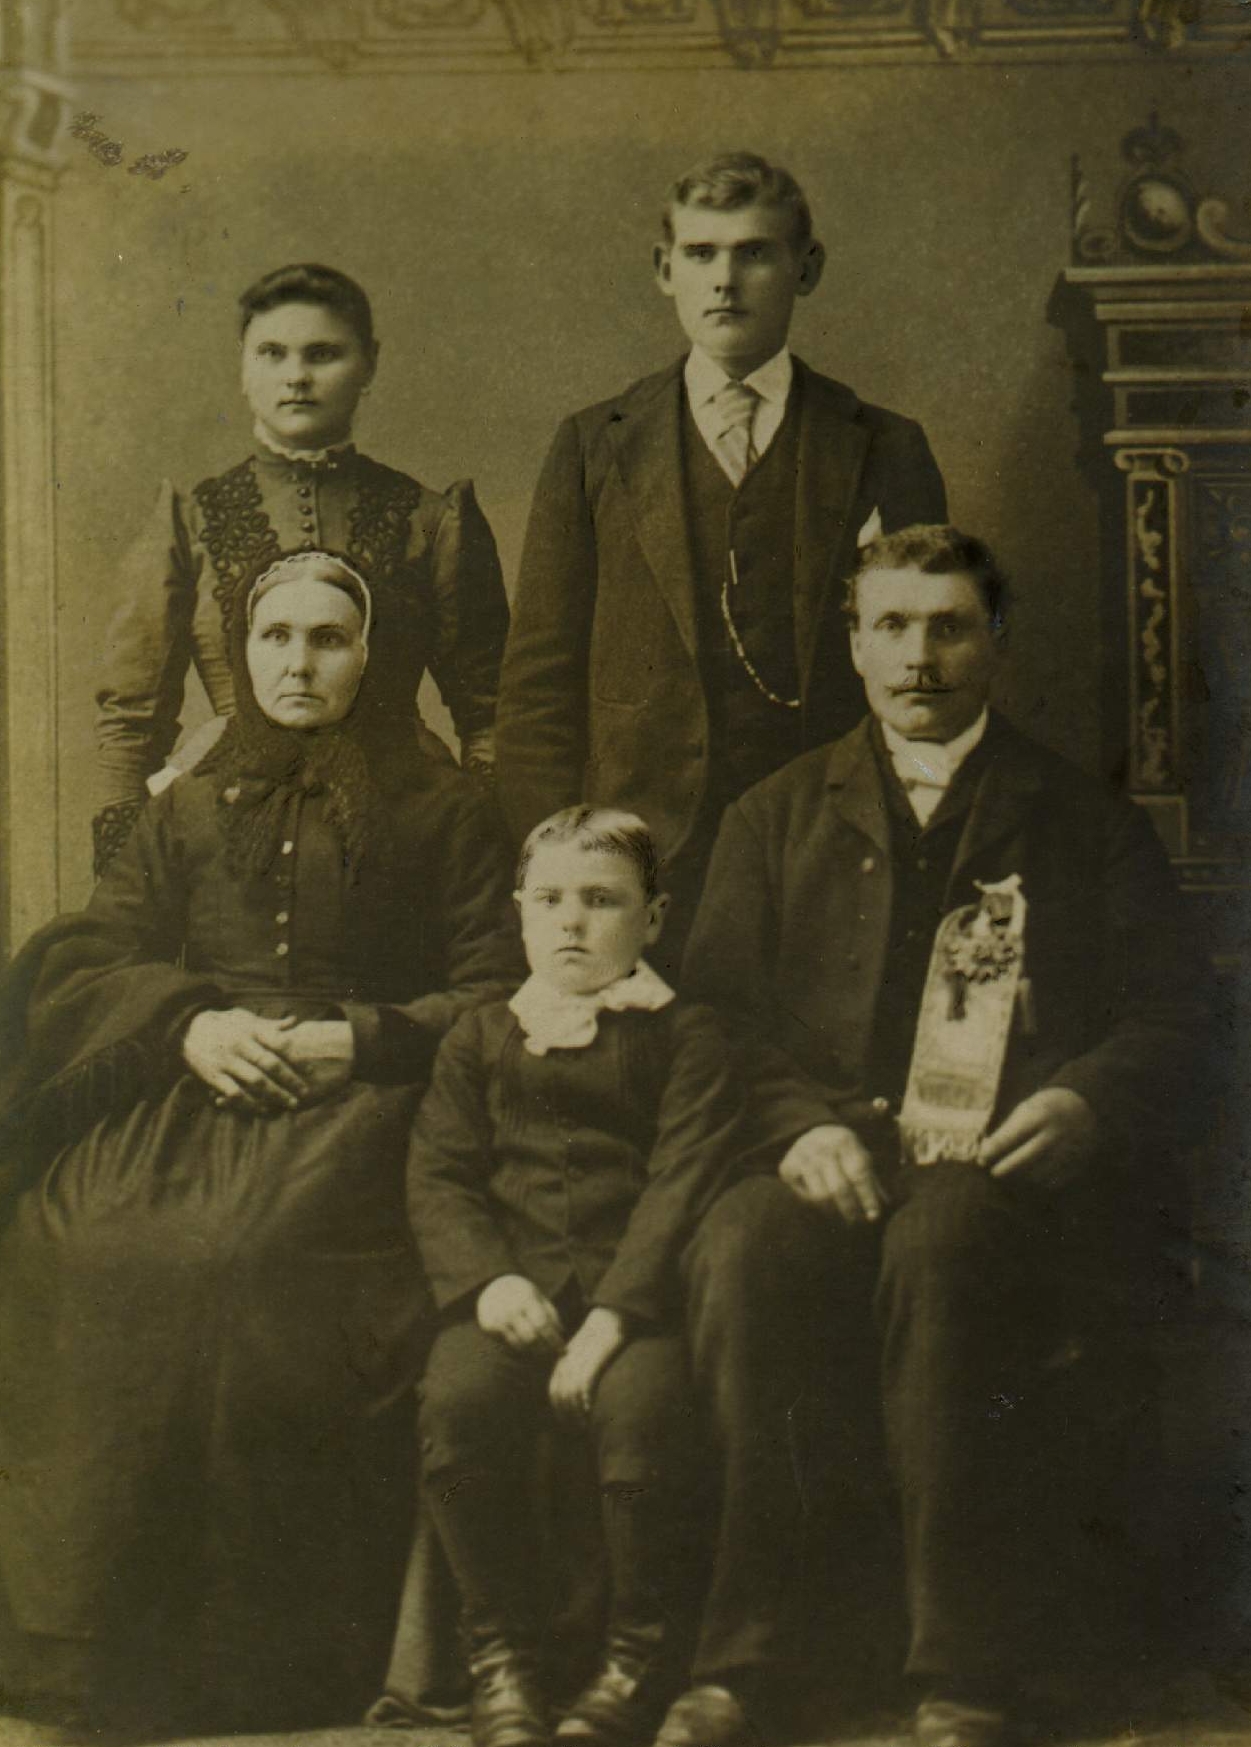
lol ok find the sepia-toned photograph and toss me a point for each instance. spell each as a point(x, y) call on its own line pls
point(625, 681)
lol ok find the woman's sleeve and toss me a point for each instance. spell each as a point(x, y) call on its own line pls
point(471, 621)
point(95, 1006)
point(473, 946)
point(143, 669)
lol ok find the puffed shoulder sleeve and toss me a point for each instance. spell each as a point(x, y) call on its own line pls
point(143, 666)
point(471, 611)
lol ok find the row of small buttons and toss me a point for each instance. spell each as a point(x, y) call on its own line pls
point(869, 864)
point(283, 917)
point(308, 525)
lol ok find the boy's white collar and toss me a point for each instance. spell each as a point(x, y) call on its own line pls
point(552, 1019)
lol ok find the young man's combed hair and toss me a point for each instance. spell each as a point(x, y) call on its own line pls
point(606, 829)
point(738, 179)
point(936, 549)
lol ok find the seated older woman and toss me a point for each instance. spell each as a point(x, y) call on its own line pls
point(211, 1314)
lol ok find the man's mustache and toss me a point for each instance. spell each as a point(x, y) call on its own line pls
point(920, 682)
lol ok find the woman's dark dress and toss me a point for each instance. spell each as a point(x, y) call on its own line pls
point(210, 1322)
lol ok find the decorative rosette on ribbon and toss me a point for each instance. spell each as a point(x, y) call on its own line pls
point(972, 989)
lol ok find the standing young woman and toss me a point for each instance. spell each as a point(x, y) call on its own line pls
point(308, 354)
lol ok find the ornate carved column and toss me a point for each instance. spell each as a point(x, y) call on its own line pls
point(33, 104)
point(1154, 551)
point(1155, 312)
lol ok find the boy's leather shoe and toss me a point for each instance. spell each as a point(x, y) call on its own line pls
point(943, 1722)
point(508, 1708)
point(621, 1706)
point(706, 1716)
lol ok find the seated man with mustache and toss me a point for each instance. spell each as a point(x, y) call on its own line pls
point(824, 897)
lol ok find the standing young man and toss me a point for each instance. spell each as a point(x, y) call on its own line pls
point(677, 632)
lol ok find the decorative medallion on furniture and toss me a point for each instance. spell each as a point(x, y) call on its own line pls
point(1155, 311)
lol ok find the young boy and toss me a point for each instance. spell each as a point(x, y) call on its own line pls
point(677, 632)
point(568, 1145)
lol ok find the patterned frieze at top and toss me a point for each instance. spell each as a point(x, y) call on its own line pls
point(1160, 218)
point(173, 37)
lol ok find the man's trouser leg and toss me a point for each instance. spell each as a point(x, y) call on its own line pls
point(967, 1307)
point(769, 1284)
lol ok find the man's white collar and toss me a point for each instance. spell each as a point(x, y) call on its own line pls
point(932, 763)
point(705, 378)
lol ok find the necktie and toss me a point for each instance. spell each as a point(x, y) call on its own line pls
point(735, 405)
point(924, 769)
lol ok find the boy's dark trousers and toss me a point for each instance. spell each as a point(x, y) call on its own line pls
point(485, 1409)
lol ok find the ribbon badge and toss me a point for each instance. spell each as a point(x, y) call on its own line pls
point(972, 989)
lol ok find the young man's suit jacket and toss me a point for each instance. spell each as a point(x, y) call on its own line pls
point(791, 937)
point(601, 695)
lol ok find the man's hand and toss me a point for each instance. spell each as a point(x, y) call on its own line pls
point(830, 1169)
point(513, 1309)
point(324, 1052)
point(1047, 1139)
point(572, 1384)
point(243, 1059)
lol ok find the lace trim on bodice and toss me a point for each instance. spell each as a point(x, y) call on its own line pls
point(110, 828)
point(240, 537)
point(241, 540)
point(380, 522)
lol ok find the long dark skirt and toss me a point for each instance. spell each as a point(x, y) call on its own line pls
point(210, 1329)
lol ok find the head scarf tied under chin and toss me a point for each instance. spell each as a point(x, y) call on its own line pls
point(355, 763)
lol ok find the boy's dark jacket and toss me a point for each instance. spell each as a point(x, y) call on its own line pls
point(792, 932)
point(601, 692)
point(587, 1167)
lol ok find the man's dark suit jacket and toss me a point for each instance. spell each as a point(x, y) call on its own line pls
point(791, 937)
point(601, 694)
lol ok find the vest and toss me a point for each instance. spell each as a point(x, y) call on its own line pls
point(922, 858)
point(750, 736)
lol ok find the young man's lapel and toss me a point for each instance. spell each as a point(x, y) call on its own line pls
point(645, 429)
point(833, 444)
